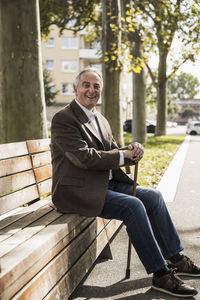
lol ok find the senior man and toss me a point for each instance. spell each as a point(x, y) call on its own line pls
point(87, 179)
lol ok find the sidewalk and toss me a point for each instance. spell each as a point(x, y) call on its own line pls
point(106, 280)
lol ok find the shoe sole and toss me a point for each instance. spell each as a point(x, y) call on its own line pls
point(187, 274)
point(171, 293)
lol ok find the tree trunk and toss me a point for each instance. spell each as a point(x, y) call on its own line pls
point(22, 103)
point(111, 72)
point(162, 94)
point(139, 107)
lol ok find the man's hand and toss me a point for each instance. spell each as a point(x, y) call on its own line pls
point(134, 152)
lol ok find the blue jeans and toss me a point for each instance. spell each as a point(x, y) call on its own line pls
point(147, 222)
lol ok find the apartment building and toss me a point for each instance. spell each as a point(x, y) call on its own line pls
point(64, 56)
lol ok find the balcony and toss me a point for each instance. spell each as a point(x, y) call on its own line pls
point(89, 53)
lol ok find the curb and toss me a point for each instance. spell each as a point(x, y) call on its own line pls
point(169, 182)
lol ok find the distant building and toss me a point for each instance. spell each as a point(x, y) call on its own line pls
point(184, 104)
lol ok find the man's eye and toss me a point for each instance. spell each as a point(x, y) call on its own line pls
point(86, 85)
point(97, 87)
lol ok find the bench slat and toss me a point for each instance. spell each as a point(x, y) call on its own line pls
point(15, 263)
point(41, 159)
point(16, 182)
point(14, 165)
point(7, 220)
point(13, 150)
point(45, 187)
point(43, 173)
point(21, 197)
point(38, 220)
point(35, 146)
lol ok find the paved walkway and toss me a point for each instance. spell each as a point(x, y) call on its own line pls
point(106, 280)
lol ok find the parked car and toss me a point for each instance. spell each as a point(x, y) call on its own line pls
point(128, 126)
point(193, 128)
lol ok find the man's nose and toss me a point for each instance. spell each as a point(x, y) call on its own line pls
point(91, 89)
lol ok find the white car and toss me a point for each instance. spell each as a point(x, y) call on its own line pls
point(193, 128)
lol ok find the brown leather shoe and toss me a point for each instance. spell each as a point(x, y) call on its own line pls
point(185, 267)
point(171, 284)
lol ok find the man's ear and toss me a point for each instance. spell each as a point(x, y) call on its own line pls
point(75, 89)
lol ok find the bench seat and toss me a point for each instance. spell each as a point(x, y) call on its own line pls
point(44, 254)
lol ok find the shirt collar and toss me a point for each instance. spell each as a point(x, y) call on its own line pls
point(90, 114)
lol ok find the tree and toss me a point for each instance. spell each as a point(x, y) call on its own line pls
point(188, 112)
point(162, 22)
point(111, 43)
point(22, 104)
point(134, 42)
point(184, 86)
point(48, 88)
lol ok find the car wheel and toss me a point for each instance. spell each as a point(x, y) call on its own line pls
point(193, 132)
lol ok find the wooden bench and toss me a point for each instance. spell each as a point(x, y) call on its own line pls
point(44, 254)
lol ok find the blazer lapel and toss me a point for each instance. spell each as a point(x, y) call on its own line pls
point(104, 132)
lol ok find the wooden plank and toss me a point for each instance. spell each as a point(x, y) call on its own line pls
point(21, 197)
point(54, 271)
point(14, 165)
point(15, 263)
point(37, 221)
point(40, 145)
point(16, 182)
point(13, 150)
point(20, 224)
point(45, 187)
point(43, 260)
point(7, 220)
point(43, 173)
point(41, 159)
point(64, 288)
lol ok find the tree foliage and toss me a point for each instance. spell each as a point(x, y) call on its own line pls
point(183, 86)
point(188, 112)
point(50, 94)
point(72, 15)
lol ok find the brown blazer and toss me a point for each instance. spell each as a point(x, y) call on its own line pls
point(81, 163)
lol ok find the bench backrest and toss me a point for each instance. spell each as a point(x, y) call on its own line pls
point(25, 173)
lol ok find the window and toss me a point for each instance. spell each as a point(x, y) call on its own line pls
point(96, 66)
point(69, 43)
point(69, 66)
point(67, 89)
point(49, 64)
point(50, 42)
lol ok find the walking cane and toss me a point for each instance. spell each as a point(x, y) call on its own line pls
point(129, 242)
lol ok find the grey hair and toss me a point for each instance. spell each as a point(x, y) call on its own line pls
point(77, 79)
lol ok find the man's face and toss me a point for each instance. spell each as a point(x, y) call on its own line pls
point(89, 89)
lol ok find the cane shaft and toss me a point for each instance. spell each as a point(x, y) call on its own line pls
point(129, 242)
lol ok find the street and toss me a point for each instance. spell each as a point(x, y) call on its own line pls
point(178, 130)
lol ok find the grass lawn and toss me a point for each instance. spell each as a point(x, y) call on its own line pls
point(158, 153)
